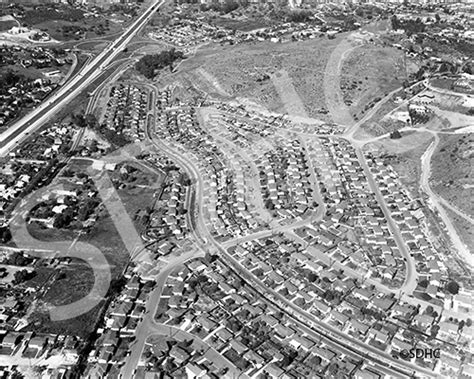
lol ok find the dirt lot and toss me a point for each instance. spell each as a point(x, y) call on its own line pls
point(451, 171)
point(368, 73)
point(239, 71)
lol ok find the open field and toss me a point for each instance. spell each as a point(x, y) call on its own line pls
point(81, 326)
point(239, 71)
point(368, 74)
point(66, 23)
point(7, 25)
point(77, 275)
point(137, 193)
point(64, 30)
point(451, 167)
point(77, 280)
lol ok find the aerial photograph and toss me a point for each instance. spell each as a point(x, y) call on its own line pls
point(265, 189)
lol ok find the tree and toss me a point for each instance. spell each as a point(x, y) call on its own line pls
point(452, 287)
point(91, 121)
point(79, 120)
point(150, 63)
point(23, 276)
point(395, 134)
point(395, 22)
point(5, 234)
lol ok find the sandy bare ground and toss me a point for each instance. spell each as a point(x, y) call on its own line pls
point(288, 95)
point(332, 84)
point(213, 81)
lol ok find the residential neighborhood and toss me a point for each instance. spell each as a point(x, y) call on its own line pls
point(236, 189)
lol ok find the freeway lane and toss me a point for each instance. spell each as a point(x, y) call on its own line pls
point(28, 124)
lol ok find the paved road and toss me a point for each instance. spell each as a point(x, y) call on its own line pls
point(411, 275)
point(31, 122)
point(341, 115)
point(148, 325)
point(322, 330)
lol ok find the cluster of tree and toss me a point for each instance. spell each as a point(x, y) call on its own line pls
point(123, 9)
point(116, 286)
point(89, 120)
point(80, 211)
point(233, 324)
point(64, 219)
point(236, 359)
point(396, 134)
point(289, 357)
point(42, 13)
point(5, 234)
point(23, 276)
point(11, 78)
point(72, 31)
point(409, 26)
point(116, 139)
point(17, 259)
point(299, 16)
point(452, 287)
point(150, 63)
point(227, 7)
point(431, 312)
point(372, 312)
point(332, 296)
point(417, 117)
point(86, 209)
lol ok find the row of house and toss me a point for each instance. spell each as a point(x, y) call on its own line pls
point(236, 322)
point(284, 180)
point(120, 326)
point(224, 191)
point(127, 110)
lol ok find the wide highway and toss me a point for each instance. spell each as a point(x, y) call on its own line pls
point(19, 131)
